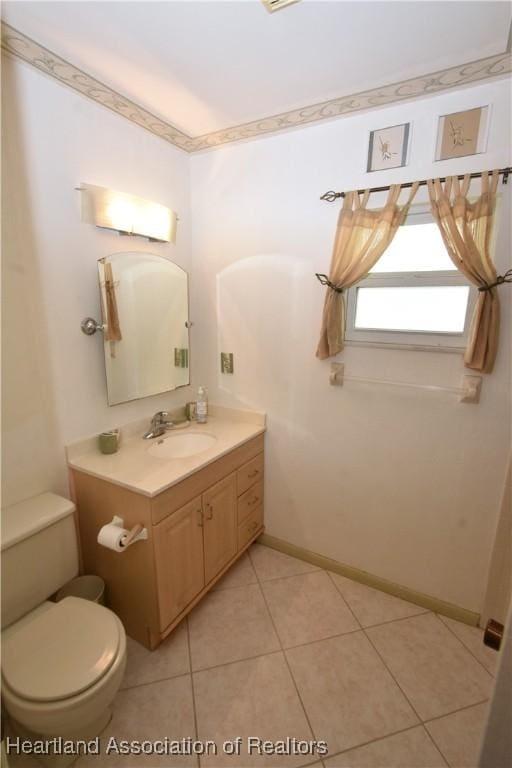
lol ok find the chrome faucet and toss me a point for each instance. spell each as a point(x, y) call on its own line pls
point(159, 424)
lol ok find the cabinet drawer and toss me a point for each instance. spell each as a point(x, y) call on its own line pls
point(250, 525)
point(250, 500)
point(249, 474)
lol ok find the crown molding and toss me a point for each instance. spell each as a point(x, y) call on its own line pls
point(20, 46)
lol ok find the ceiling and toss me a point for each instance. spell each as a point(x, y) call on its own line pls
point(205, 66)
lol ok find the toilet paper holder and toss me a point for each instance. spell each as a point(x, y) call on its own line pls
point(137, 533)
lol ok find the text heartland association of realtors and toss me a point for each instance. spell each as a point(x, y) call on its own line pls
point(187, 746)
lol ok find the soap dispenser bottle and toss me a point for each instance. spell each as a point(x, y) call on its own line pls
point(202, 405)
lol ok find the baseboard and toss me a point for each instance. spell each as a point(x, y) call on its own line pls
point(419, 598)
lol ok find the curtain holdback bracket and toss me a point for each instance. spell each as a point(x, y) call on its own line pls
point(500, 280)
point(325, 281)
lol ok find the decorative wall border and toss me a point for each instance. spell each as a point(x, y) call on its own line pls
point(23, 47)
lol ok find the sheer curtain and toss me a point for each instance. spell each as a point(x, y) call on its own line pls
point(466, 230)
point(362, 236)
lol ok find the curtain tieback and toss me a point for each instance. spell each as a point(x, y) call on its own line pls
point(506, 278)
point(325, 281)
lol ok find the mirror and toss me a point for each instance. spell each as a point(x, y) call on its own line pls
point(144, 304)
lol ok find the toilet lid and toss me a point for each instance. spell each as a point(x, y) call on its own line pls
point(63, 651)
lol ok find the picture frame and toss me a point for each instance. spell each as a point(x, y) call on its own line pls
point(388, 147)
point(462, 133)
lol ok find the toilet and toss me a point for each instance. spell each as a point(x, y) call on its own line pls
point(62, 663)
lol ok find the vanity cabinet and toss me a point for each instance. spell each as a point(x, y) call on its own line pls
point(197, 529)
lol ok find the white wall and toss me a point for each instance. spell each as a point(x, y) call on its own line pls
point(53, 375)
point(402, 484)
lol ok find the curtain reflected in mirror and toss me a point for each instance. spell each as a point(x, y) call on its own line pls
point(144, 304)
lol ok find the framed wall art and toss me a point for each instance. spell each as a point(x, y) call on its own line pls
point(462, 133)
point(388, 147)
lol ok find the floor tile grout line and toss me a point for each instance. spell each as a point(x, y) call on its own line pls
point(311, 763)
point(330, 637)
point(393, 676)
point(445, 714)
point(218, 588)
point(283, 650)
point(269, 653)
point(233, 586)
point(311, 569)
point(316, 569)
point(381, 623)
point(465, 646)
point(192, 687)
point(294, 682)
point(153, 682)
point(455, 711)
point(344, 600)
point(256, 656)
point(321, 639)
point(381, 591)
point(361, 629)
point(236, 661)
point(377, 739)
point(290, 575)
point(436, 745)
point(441, 717)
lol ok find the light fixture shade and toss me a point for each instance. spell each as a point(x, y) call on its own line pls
point(127, 213)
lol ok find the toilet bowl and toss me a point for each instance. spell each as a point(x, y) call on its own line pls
point(62, 666)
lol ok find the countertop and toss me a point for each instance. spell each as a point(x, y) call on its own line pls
point(134, 468)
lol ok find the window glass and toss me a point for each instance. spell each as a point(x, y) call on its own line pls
point(416, 248)
point(427, 309)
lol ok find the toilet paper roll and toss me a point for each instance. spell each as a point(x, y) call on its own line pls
point(112, 537)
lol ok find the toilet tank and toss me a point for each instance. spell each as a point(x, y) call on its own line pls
point(39, 552)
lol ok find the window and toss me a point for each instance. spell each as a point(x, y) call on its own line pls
point(414, 295)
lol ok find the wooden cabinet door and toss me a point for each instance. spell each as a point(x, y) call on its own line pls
point(179, 558)
point(220, 525)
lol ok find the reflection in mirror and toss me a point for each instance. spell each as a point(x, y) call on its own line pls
point(144, 303)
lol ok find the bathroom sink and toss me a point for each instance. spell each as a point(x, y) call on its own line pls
point(181, 446)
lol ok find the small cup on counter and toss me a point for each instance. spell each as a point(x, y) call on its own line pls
point(109, 441)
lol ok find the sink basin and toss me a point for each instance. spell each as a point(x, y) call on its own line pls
point(181, 446)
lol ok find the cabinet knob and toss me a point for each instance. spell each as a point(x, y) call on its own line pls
point(253, 501)
point(209, 509)
point(254, 525)
point(253, 473)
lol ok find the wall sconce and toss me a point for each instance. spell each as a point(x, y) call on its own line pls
point(128, 214)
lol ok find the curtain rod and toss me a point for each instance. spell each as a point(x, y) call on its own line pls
point(332, 196)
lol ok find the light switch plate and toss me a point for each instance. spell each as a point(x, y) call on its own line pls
point(226, 362)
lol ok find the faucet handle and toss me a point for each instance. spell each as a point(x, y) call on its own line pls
point(161, 417)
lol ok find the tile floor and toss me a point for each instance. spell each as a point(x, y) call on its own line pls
point(281, 648)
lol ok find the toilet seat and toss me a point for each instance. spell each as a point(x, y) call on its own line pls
point(62, 652)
